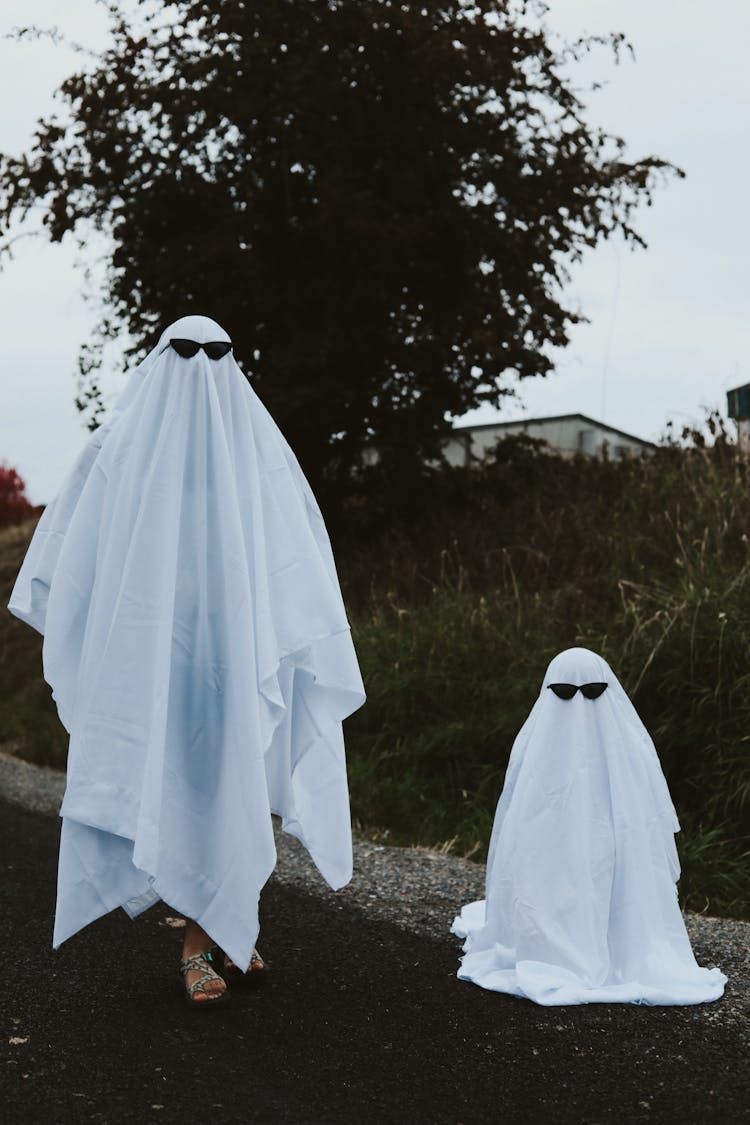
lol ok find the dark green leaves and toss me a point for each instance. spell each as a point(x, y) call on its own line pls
point(378, 200)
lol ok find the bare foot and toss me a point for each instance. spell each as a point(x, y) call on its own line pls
point(198, 941)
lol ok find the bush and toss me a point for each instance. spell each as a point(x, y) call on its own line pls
point(14, 504)
point(459, 602)
point(28, 718)
point(463, 585)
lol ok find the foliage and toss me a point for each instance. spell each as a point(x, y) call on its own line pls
point(457, 611)
point(28, 720)
point(380, 199)
point(14, 503)
point(460, 595)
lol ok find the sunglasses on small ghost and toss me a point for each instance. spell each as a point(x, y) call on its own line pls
point(567, 691)
point(215, 349)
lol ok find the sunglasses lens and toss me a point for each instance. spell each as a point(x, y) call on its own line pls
point(593, 691)
point(563, 691)
point(185, 348)
point(217, 349)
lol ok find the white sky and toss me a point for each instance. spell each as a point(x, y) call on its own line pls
point(669, 326)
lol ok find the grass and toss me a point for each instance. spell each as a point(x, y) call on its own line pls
point(28, 719)
point(459, 604)
point(462, 587)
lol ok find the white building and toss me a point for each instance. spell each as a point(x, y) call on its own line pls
point(566, 434)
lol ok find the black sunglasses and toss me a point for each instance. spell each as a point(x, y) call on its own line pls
point(567, 691)
point(215, 349)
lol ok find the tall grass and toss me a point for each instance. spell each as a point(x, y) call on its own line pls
point(462, 585)
point(465, 599)
point(28, 720)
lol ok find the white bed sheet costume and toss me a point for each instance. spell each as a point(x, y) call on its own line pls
point(581, 899)
point(198, 650)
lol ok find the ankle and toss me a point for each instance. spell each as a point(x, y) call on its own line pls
point(196, 940)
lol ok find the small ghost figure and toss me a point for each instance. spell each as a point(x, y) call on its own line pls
point(581, 899)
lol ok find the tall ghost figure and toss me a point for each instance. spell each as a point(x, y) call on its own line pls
point(581, 899)
point(197, 648)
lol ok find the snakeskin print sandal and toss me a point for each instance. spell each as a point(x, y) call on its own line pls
point(202, 963)
point(257, 971)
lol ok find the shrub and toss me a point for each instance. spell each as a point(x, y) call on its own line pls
point(14, 504)
point(459, 601)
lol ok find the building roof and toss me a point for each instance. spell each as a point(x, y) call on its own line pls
point(556, 418)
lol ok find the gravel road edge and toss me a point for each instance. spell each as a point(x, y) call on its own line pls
point(414, 888)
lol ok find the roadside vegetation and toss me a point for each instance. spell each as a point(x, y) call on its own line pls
point(462, 591)
point(462, 587)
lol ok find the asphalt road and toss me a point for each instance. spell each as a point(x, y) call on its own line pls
point(362, 1022)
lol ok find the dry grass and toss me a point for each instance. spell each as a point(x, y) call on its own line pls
point(464, 585)
point(459, 604)
point(29, 725)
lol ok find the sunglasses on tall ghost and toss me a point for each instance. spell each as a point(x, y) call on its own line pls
point(215, 349)
point(567, 691)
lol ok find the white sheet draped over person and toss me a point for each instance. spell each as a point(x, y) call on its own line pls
point(581, 899)
point(198, 650)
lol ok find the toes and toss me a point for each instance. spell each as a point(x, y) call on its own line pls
point(257, 964)
point(207, 993)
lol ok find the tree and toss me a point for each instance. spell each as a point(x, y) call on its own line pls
point(380, 200)
point(14, 503)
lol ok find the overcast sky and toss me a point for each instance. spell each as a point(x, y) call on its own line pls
point(669, 331)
